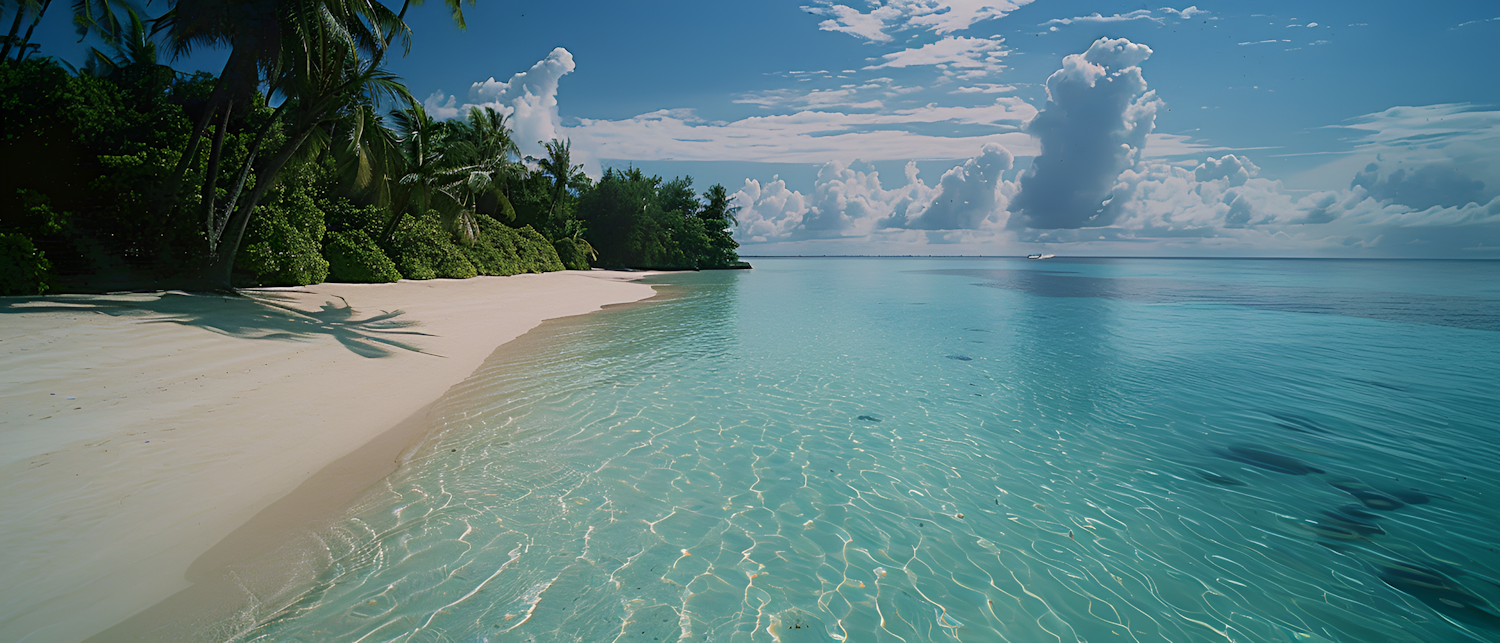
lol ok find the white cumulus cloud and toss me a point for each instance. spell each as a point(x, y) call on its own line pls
point(1093, 127)
point(968, 197)
point(936, 16)
point(985, 88)
point(529, 99)
point(1138, 14)
point(1185, 13)
point(807, 136)
point(955, 51)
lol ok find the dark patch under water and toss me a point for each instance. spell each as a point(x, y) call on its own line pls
point(868, 418)
point(1442, 594)
point(1358, 514)
point(1341, 521)
point(1379, 498)
point(961, 358)
point(1270, 460)
point(1388, 387)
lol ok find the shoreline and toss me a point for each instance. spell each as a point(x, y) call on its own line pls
point(151, 452)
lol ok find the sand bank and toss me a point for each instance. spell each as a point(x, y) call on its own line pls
point(146, 440)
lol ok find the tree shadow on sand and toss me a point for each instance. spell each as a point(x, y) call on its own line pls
point(249, 315)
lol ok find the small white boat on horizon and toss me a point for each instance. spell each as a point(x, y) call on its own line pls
point(1040, 256)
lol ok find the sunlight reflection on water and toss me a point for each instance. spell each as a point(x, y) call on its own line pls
point(942, 449)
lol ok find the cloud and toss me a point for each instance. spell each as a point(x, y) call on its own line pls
point(985, 88)
point(1161, 200)
point(936, 16)
point(529, 99)
point(1094, 126)
point(845, 202)
point(810, 136)
point(1186, 13)
point(815, 99)
point(1223, 196)
point(1422, 127)
point(1428, 154)
point(967, 196)
point(1237, 170)
point(1094, 187)
point(1475, 22)
point(954, 51)
point(1138, 14)
point(842, 19)
point(1427, 186)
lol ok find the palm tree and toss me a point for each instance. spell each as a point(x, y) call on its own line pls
point(268, 39)
point(22, 8)
point(98, 16)
point(490, 149)
point(134, 62)
point(367, 156)
point(559, 165)
point(427, 171)
point(326, 79)
point(578, 231)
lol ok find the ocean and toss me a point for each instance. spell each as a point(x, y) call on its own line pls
point(931, 449)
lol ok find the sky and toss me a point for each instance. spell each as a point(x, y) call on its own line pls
point(1007, 127)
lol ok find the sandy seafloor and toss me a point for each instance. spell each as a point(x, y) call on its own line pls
point(152, 444)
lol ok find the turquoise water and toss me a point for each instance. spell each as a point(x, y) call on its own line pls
point(968, 449)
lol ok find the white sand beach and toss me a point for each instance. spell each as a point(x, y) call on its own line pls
point(149, 442)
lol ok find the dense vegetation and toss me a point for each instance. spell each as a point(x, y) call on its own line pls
point(302, 161)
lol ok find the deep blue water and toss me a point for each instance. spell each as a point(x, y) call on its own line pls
point(969, 449)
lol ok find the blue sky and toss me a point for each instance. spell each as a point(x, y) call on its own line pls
point(925, 127)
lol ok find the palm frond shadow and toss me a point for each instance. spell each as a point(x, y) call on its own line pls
point(249, 315)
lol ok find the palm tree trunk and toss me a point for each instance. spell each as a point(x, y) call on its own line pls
point(190, 156)
point(221, 269)
point(217, 230)
point(15, 27)
point(26, 42)
point(211, 179)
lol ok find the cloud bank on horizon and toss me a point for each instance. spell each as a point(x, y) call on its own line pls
point(1091, 181)
point(1083, 172)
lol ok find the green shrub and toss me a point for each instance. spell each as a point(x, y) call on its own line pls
point(283, 244)
point(354, 258)
point(422, 249)
point(536, 253)
point(341, 216)
point(497, 245)
point(572, 253)
point(24, 270)
point(491, 252)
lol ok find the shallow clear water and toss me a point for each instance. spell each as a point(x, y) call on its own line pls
point(971, 449)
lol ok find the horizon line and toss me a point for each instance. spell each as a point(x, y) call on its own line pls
point(744, 256)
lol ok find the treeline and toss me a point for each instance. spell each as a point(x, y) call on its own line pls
point(129, 175)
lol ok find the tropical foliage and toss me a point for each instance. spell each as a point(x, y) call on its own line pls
point(304, 159)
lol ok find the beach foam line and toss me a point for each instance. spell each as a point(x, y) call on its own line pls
point(151, 444)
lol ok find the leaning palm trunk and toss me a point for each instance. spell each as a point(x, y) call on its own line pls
point(218, 220)
point(15, 28)
point(309, 113)
point(211, 178)
point(221, 270)
point(218, 97)
point(26, 41)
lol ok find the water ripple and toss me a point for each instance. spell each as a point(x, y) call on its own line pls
point(796, 454)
